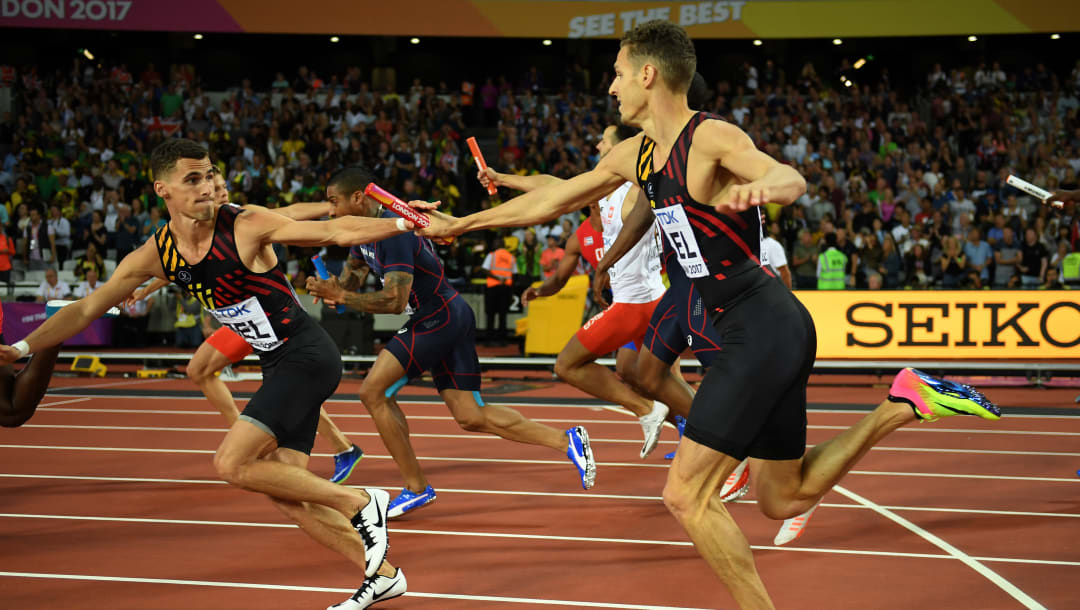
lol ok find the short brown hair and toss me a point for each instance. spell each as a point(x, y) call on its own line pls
point(164, 157)
point(670, 46)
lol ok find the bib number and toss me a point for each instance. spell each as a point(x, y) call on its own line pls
point(248, 320)
point(675, 225)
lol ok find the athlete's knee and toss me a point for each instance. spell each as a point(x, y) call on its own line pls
point(230, 469)
point(374, 398)
point(565, 365)
point(198, 372)
point(679, 497)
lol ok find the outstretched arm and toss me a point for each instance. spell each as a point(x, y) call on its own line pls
point(268, 228)
point(637, 224)
point(516, 182)
point(135, 269)
point(298, 211)
point(546, 203)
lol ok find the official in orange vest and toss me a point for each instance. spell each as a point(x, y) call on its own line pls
point(499, 267)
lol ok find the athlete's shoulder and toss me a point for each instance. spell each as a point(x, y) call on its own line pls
point(715, 136)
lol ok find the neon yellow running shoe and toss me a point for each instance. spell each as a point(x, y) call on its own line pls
point(932, 398)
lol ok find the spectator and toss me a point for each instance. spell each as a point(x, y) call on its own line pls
point(187, 325)
point(89, 285)
point(96, 233)
point(52, 287)
point(550, 257)
point(804, 260)
point(952, 262)
point(127, 232)
point(528, 257)
point(1006, 259)
point(498, 267)
point(979, 255)
point(60, 229)
point(37, 241)
point(832, 266)
point(7, 250)
point(90, 260)
point(917, 268)
point(892, 264)
point(1033, 260)
point(131, 324)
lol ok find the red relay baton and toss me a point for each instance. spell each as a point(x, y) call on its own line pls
point(396, 205)
point(479, 156)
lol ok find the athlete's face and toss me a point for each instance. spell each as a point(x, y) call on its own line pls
point(188, 190)
point(221, 189)
point(350, 204)
point(607, 142)
point(629, 86)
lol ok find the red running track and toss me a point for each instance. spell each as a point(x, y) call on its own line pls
point(113, 502)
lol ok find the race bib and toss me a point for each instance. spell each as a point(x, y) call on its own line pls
point(248, 320)
point(675, 225)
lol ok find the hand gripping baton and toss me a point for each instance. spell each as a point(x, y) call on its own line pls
point(479, 156)
point(320, 268)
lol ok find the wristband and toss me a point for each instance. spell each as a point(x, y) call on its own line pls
point(401, 225)
point(23, 348)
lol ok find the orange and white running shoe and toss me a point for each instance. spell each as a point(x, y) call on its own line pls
point(794, 527)
point(737, 484)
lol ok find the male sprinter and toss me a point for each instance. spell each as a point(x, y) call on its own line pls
point(224, 348)
point(635, 285)
point(704, 176)
point(440, 336)
point(233, 272)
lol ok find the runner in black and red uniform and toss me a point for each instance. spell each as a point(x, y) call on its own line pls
point(439, 336)
point(705, 178)
point(223, 256)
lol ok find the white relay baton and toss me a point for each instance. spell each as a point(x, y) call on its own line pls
point(1031, 189)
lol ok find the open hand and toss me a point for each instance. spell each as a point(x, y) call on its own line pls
point(329, 290)
point(742, 197)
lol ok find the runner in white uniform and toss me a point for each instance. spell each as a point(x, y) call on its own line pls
point(636, 286)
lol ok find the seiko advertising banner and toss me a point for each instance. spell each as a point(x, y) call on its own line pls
point(553, 19)
point(935, 324)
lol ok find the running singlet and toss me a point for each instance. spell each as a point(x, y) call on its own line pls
point(260, 307)
point(635, 278)
point(712, 247)
point(415, 255)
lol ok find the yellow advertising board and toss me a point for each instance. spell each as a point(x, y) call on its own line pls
point(1042, 325)
point(553, 320)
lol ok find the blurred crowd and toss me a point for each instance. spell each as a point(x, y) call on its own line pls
point(906, 189)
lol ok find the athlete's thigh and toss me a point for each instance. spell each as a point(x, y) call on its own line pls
point(664, 337)
point(464, 405)
point(459, 366)
point(207, 360)
point(700, 468)
point(289, 456)
point(386, 371)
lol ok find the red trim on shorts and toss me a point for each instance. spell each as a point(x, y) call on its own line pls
point(232, 345)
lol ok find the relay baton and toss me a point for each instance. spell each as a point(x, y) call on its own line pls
point(324, 274)
point(479, 156)
point(1031, 189)
point(396, 205)
point(399, 207)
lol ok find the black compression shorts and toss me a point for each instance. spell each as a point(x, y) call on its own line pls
point(752, 401)
point(302, 374)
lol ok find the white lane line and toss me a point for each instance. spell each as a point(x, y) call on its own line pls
point(507, 535)
point(966, 559)
point(489, 460)
point(106, 385)
point(246, 585)
point(629, 421)
point(551, 494)
point(489, 437)
point(63, 402)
